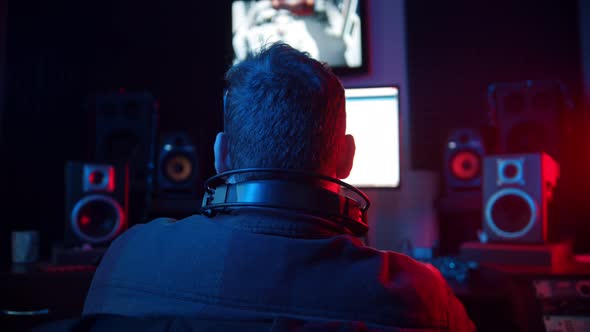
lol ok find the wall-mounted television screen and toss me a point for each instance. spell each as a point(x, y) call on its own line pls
point(372, 117)
point(331, 31)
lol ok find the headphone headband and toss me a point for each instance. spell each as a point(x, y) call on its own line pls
point(296, 196)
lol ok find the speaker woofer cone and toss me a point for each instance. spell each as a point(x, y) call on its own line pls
point(465, 165)
point(510, 213)
point(177, 168)
point(97, 218)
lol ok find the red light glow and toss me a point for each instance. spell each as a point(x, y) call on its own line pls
point(85, 220)
point(465, 165)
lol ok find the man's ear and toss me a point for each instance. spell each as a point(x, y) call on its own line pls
point(346, 158)
point(221, 154)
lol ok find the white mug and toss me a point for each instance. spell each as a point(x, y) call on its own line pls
point(25, 246)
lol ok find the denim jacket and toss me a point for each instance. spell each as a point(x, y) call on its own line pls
point(265, 265)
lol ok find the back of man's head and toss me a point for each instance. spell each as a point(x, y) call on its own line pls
point(286, 110)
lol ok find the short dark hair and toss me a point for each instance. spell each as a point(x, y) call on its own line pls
point(284, 109)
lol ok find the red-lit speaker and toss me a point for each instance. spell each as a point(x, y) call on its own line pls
point(96, 202)
point(463, 159)
point(530, 116)
point(517, 189)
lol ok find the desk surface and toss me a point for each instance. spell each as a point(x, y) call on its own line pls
point(33, 294)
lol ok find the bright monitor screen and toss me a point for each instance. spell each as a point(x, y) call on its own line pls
point(372, 117)
point(331, 31)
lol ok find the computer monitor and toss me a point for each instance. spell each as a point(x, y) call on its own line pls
point(331, 31)
point(372, 117)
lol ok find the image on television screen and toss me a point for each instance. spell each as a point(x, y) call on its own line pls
point(372, 118)
point(329, 30)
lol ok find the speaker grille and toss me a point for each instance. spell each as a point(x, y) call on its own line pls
point(97, 218)
point(511, 213)
point(465, 165)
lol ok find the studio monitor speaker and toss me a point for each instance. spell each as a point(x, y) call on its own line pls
point(178, 171)
point(126, 129)
point(530, 116)
point(464, 152)
point(517, 189)
point(96, 202)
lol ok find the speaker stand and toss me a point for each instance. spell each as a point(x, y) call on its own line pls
point(85, 255)
point(550, 255)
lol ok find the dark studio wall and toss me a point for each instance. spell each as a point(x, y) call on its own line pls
point(457, 48)
point(584, 28)
point(584, 18)
point(3, 14)
point(58, 53)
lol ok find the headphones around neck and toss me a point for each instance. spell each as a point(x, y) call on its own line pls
point(292, 191)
